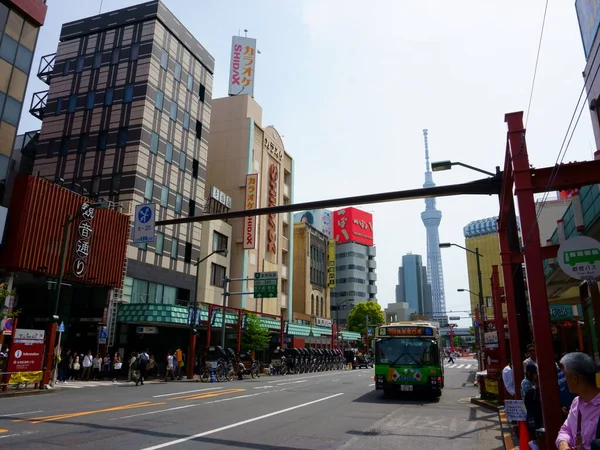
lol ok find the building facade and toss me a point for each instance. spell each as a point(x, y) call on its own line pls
point(413, 287)
point(311, 295)
point(245, 154)
point(126, 119)
point(20, 21)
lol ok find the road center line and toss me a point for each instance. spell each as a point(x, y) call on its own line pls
point(238, 424)
point(291, 382)
point(20, 414)
point(175, 408)
point(372, 384)
point(186, 392)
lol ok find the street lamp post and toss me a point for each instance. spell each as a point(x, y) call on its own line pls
point(478, 256)
point(192, 346)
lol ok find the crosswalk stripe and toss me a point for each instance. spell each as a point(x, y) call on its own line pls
point(461, 366)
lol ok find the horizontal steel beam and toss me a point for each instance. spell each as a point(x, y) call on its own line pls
point(484, 186)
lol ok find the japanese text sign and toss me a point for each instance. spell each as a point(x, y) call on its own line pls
point(579, 258)
point(250, 202)
point(353, 225)
point(243, 62)
point(406, 331)
point(82, 243)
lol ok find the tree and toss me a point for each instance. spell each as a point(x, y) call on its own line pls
point(472, 331)
point(357, 319)
point(459, 341)
point(4, 293)
point(254, 337)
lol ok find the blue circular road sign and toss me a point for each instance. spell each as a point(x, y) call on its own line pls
point(145, 214)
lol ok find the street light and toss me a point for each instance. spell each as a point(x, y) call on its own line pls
point(63, 248)
point(467, 290)
point(478, 256)
point(192, 346)
point(440, 166)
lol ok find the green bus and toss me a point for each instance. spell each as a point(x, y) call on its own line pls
point(408, 359)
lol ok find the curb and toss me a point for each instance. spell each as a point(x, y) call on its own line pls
point(485, 404)
point(506, 428)
point(27, 393)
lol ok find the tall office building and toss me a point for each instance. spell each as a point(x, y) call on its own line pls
point(355, 263)
point(20, 21)
point(413, 287)
point(126, 119)
point(249, 163)
point(431, 218)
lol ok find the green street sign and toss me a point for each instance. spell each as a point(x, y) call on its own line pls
point(265, 284)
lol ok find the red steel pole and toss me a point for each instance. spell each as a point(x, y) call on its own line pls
point(536, 278)
point(49, 360)
point(499, 319)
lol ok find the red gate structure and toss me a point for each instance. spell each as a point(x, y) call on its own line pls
point(527, 181)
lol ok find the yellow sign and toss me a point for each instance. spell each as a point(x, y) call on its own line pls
point(25, 377)
point(491, 386)
point(331, 263)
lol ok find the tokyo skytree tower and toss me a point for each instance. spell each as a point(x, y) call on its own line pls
point(431, 218)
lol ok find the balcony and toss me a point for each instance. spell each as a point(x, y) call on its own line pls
point(372, 276)
point(284, 272)
point(372, 264)
point(371, 251)
point(38, 104)
point(285, 244)
point(46, 68)
point(372, 289)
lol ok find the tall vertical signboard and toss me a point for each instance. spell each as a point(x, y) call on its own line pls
point(588, 15)
point(250, 202)
point(243, 62)
point(331, 263)
point(272, 218)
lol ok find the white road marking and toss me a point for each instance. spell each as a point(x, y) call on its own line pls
point(186, 392)
point(235, 398)
point(24, 433)
point(263, 387)
point(291, 382)
point(372, 384)
point(461, 366)
point(337, 379)
point(175, 408)
point(239, 424)
point(468, 366)
point(20, 414)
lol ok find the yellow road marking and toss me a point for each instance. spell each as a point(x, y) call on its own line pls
point(36, 420)
point(207, 394)
point(3, 430)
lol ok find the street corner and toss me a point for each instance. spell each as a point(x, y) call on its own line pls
point(507, 430)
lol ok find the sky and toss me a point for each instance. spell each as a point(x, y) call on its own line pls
point(351, 85)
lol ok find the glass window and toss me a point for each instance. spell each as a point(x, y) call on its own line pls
point(169, 295)
point(198, 129)
point(186, 120)
point(190, 82)
point(192, 208)
point(219, 241)
point(407, 351)
point(97, 62)
point(178, 203)
point(160, 288)
point(67, 66)
point(115, 183)
point(128, 94)
point(169, 152)
point(217, 273)
point(102, 140)
point(14, 24)
point(202, 93)
point(182, 159)
point(114, 56)
point(188, 252)
point(58, 108)
point(164, 196)
point(134, 53)
point(139, 291)
point(4, 162)
point(177, 71)
point(8, 49)
point(12, 111)
point(2, 100)
point(90, 99)
point(143, 246)
point(72, 103)
point(173, 111)
point(18, 83)
point(28, 36)
point(24, 57)
point(79, 63)
point(154, 143)
point(7, 134)
point(174, 248)
point(164, 59)
point(149, 190)
point(5, 72)
point(160, 97)
point(64, 146)
point(83, 143)
point(160, 243)
point(3, 15)
point(122, 142)
point(108, 96)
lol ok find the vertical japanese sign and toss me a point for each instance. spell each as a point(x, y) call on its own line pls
point(82, 245)
point(250, 202)
point(243, 61)
point(272, 219)
point(331, 263)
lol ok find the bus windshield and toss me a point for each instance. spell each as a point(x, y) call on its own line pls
point(407, 352)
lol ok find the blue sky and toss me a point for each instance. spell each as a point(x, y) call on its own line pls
point(351, 84)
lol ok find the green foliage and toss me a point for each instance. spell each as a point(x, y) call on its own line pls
point(472, 331)
point(254, 337)
point(4, 293)
point(459, 342)
point(357, 319)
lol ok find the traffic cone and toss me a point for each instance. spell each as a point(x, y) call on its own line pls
point(212, 376)
point(523, 436)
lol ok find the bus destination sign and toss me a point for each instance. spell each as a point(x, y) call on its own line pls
point(406, 331)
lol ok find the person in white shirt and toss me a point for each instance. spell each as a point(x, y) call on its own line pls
point(508, 379)
point(88, 361)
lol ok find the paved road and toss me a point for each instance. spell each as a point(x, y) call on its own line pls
point(327, 410)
